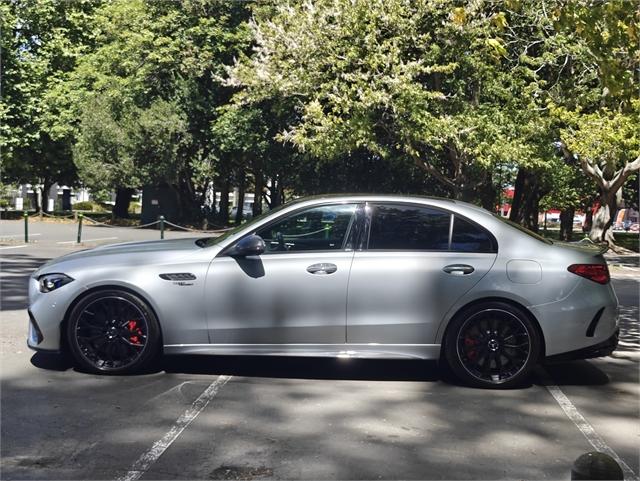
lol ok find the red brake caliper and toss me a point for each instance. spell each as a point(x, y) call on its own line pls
point(135, 332)
point(469, 344)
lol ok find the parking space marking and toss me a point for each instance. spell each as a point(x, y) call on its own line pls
point(14, 247)
point(145, 461)
point(87, 240)
point(17, 235)
point(586, 429)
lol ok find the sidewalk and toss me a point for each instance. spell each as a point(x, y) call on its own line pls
point(623, 265)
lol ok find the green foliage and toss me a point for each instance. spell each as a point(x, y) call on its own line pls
point(441, 97)
point(142, 101)
point(425, 81)
point(84, 205)
point(41, 42)
point(607, 140)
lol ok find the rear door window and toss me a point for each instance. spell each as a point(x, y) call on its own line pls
point(408, 227)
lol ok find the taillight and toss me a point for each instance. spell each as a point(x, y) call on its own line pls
point(594, 272)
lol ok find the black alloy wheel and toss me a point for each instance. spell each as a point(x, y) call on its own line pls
point(492, 345)
point(113, 332)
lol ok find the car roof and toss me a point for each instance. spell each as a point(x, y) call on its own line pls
point(455, 205)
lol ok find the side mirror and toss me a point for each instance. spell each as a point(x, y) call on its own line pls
point(252, 245)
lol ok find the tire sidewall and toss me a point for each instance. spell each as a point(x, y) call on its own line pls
point(150, 351)
point(451, 345)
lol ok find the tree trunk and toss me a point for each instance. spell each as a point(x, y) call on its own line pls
point(240, 199)
point(224, 203)
point(189, 204)
point(602, 226)
point(526, 198)
point(566, 224)
point(610, 183)
point(258, 180)
point(274, 193)
point(34, 200)
point(123, 199)
point(44, 198)
point(486, 193)
point(212, 211)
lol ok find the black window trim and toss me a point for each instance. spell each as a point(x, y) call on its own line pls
point(369, 214)
point(351, 230)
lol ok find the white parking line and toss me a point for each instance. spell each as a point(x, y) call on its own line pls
point(17, 235)
point(145, 461)
point(14, 247)
point(586, 429)
point(87, 240)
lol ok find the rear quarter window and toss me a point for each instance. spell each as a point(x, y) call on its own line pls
point(470, 237)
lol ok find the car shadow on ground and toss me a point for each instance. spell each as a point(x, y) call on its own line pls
point(277, 367)
point(582, 373)
point(306, 367)
point(570, 373)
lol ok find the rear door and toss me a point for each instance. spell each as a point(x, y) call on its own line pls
point(415, 262)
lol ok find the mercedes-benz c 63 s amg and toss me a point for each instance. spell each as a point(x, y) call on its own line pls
point(354, 275)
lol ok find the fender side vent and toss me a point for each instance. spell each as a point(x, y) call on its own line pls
point(178, 276)
point(594, 323)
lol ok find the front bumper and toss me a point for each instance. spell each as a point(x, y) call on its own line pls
point(604, 348)
point(35, 336)
point(46, 313)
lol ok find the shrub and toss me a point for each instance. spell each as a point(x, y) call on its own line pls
point(85, 205)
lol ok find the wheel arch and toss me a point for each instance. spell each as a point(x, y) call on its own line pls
point(528, 313)
point(105, 287)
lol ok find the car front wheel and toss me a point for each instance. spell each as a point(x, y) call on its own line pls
point(113, 332)
point(493, 344)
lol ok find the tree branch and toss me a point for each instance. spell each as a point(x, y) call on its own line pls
point(594, 172)
point(435, 172)
point(623, 174)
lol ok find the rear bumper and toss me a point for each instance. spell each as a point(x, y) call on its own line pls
point(601, 349)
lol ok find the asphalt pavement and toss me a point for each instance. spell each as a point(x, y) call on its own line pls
point(287, 418)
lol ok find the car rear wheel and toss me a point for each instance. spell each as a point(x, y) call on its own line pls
point(493, 344)
point(113, 332)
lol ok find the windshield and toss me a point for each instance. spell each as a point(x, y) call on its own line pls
point(211, 241)
point(523, 229)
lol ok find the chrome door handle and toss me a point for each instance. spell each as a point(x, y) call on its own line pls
point(458, 269)
point(322, 268)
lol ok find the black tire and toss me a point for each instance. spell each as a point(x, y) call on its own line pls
point(113, 332)
point(492, 345)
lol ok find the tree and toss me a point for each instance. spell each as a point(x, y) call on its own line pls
point(568, 190)
point(41, 42)
point(151, 56)
point(598, 112)
point(432, 83)
point(135, 146)
point(607, 146)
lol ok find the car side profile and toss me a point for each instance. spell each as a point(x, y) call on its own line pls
point(367, 276)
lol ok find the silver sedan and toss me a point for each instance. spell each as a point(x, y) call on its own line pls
point(347, 276)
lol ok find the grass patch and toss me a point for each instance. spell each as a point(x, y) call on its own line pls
point(628, 240)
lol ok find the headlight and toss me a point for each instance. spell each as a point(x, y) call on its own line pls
point(50, 282)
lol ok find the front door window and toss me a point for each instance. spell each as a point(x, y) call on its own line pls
point(323, 228)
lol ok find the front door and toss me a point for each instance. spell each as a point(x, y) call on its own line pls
point(295, 293)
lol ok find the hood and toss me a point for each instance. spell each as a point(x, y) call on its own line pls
point(129, 252)
point(147, 246)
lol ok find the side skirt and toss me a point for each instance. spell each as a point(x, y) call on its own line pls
point(363, 351)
